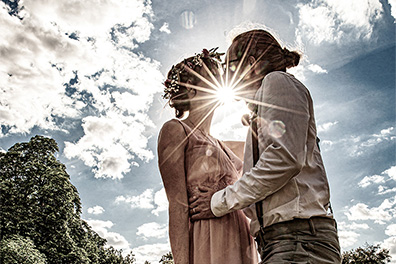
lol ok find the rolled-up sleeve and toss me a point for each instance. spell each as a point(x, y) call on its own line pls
point(283, 123)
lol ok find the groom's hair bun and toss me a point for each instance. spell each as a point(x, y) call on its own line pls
point(262, 45)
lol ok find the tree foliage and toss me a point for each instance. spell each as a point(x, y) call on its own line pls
point(42, 208)
point(112, 256)
point(370, 254)
point(167, 258)
point(17, 249)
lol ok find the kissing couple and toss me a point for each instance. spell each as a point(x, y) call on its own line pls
point(227, 198)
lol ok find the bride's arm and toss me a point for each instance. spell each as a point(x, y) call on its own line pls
point(237, 147)
point(171, 144)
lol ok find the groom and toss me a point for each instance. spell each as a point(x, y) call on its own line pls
point(284, 188)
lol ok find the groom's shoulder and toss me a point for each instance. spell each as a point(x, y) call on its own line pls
point(280, 79)
point(277, 76)
point(274, 81)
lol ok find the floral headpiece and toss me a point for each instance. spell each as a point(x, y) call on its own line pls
point(172, 84)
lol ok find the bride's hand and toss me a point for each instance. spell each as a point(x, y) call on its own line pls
point(200, 204)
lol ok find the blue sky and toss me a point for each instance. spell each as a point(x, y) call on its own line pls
point(88, 73)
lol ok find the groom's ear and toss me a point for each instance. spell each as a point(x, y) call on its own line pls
point(259, 66)
point(255, 64)
point(251, 60)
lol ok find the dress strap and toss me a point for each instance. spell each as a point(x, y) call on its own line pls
point(224, 148)
point(185, 127)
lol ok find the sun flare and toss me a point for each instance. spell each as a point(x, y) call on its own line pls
point(225, 95)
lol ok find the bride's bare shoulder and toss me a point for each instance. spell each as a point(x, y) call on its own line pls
point(172, 130)
point(172, 126)
point(171, 143)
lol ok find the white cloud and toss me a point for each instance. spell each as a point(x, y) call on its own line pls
point(326, 142)
point(298, 72)
point(364, 143)
point(165, 28)
point(347, 238)
point(34, 93)
point(151, 252)
point(391, 230)
point(111, 142)
point(338, 20)
point(326, 126)
point(390, 243)
point(113, 239)
point(88, 17)
point(144, 201)
point(377, 179)
point(367, 180)
point(161, 202)
point(305, 67)
point(385, 190)
point(385, 212)
point(96, 210)
point(388, 132)
point(147, 200)
point(316, 68)
point(112, 85)
point(139, 32)
point(391, 172)
point(356, 226)
point(31, 90)
point(348, 233)
point(393, 8)
point(152, 230)
point(317, 24)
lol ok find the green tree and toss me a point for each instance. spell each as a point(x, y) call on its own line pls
point(17, 249)
point(112, 256)
point(167, 258)
point(39, 202)
point(369, 254)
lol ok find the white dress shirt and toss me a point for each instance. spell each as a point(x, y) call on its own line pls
point(289, 177)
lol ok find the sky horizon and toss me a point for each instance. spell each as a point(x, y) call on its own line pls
point(90, 75)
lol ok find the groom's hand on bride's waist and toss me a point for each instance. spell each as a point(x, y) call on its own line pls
point(199, 203)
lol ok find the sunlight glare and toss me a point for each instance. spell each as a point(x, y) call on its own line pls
point(225, 95)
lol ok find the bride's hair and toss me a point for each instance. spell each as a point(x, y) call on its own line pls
point(188, 71)
point(262, 45)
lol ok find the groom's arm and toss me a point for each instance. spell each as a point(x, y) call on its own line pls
point(282, 157)
point(200, 200)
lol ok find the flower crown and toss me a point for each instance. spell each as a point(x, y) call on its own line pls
point(172, 84)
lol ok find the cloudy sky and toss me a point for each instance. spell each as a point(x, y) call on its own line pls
point(88, 73)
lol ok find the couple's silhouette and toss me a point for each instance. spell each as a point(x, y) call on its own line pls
point(281, 185)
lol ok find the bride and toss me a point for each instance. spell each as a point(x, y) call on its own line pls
point(190, 159)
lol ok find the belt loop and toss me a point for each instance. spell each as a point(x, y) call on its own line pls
point(312, 226)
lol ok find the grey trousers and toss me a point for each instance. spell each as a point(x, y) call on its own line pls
point(312, 240)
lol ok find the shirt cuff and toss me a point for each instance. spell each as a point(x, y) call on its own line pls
point(218, 204)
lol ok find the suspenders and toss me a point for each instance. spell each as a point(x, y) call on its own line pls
point(259, 204)
point(256, 156)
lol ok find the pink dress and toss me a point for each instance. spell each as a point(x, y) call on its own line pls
point(208, 162)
